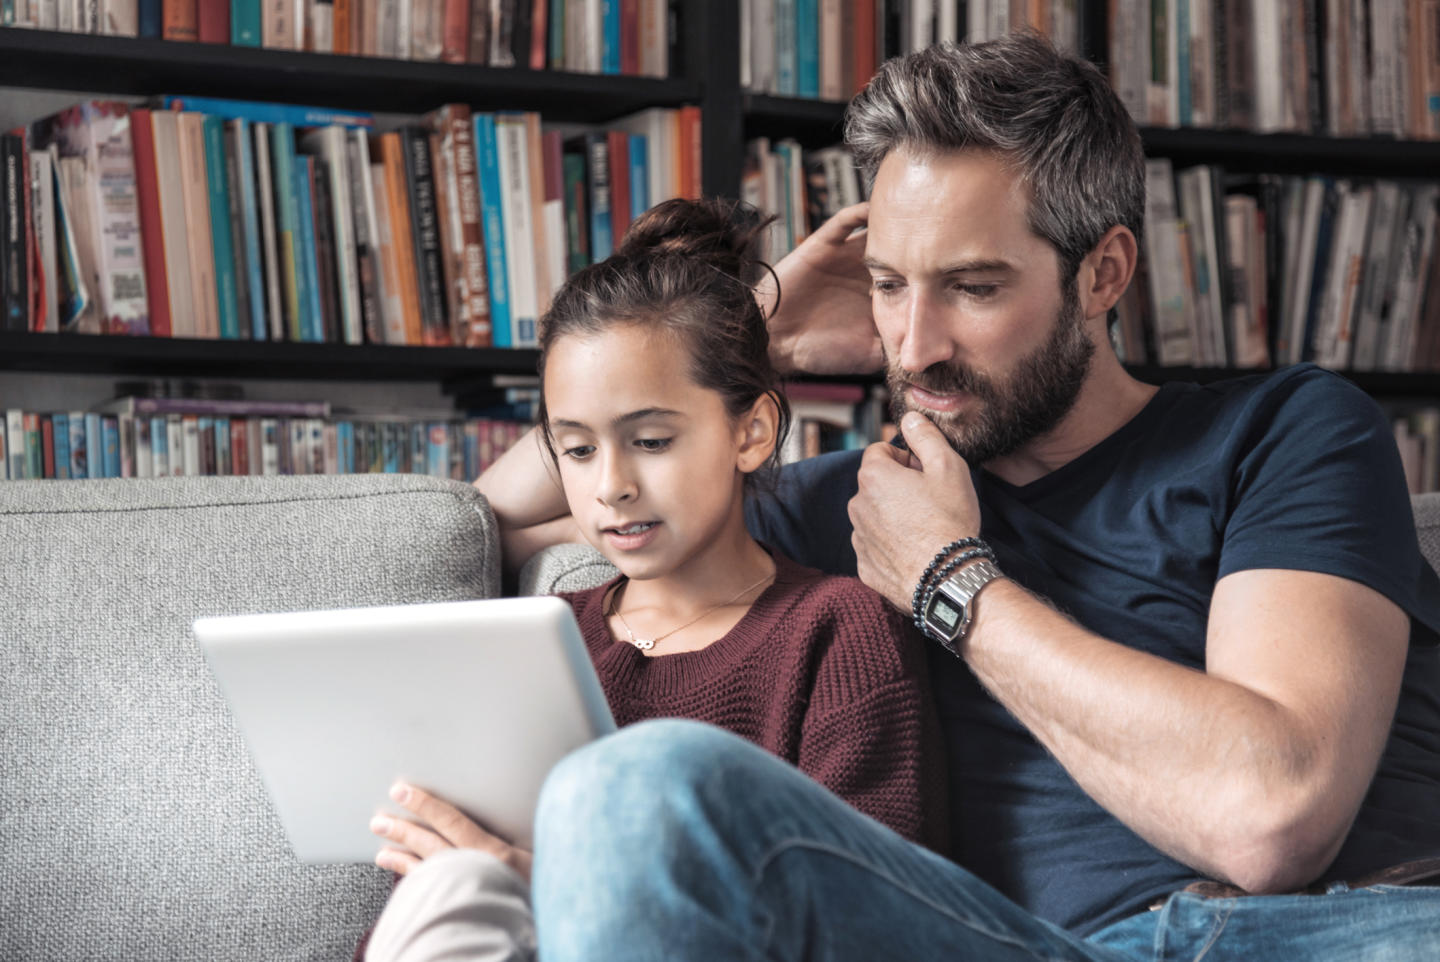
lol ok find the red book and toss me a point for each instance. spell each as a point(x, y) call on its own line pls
point(691, 176)
point(212, 20)
point(864, 44)
point(630, 37)
point(239, 447)
point(455, 31)
point(47, 444)
point(539, 34)
point(152, 228)
point(618, 142)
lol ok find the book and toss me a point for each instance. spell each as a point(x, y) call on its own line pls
point(42, 192)
point(173, 235)
point(392, 309)
point(598, 173)
point(79, 451)
point(487, 156)
point(240, 146)
point(178, 20)
point(257, 112)
point(221, 239)
point(152, 223)
point(97, 133)
point(402, 245)
point(199, 232)
point(520, 234)
point(425, 236)
point(306, 267)
point(270, 249)
point(13, 271)
point(367, 255)
point(325, 253)
point(329, 146)
point(283, 165)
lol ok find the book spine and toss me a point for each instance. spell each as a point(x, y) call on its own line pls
point(12, 239)
point(147, 194)
point(42, 194)
point(212, 21)
point(545, 282)
point(610, 36)
point(556, 52)
point(807, 48)
point(539, 33)
point(487, 165)
point(654, 41)
point(254, 279)
point(467, 183)
point(346, 254)
point(362, 213)
point(277, 30)
point(172, 234)
point(151, 18)
point(456, 31)
point(197, 226)
point(292, 114)
point(602, 239)
point(287, 209)
point(447, 207)
point(402, 245)
point(629, 37)
point(221, 242)
point(787, 82)
point(265, 202)
point(245, 18)
point(178, 20)
point(576, 219)
point(478, 51)
point(392, 307)
point(306, 270)
point(325, 252)
point(519, 227)
point(122, 296)
point(425, 235)
point(553, 212)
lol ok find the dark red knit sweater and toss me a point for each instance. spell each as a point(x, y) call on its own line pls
point(821, 672)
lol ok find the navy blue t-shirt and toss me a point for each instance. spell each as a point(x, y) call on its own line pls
point(1295, 470)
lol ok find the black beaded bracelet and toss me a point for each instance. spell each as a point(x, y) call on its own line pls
point(944, 553)
point(970, 555)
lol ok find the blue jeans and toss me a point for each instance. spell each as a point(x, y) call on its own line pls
point(672, 840)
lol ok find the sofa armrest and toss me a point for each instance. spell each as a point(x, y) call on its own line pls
point(564, 567)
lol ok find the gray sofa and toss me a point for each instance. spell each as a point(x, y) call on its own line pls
point(132, 824)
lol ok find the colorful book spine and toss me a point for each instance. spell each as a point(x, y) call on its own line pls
point(245, 23)
point(306, 269)
point(15, 443)
point(160, 447)
point(94, 446)
point(640, 200)
point(268, 204)
point(255, 112)
point(221, 241)
point(13, 273)
point(61, 424)
point(602, 237)
point(152, 228)
point(75, 424)
point(487, 157)
point(287, 209)
point(151, 14)
point(110, 441)
point(250, 227)
point(807, 48)
point(425, 235)
point(577, 232)
point(610, 37)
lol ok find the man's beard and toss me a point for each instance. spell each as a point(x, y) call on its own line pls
point(1027, 404)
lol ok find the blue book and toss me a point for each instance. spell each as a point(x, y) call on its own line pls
point(160, 446)
point(785, 82)
point(287, 227)
point(221, 427)
point(1181, 78)
point(439, 454)
point(345, 445)
point(60, 425)
point(78, 467)
point(807, 48)
point(306, 268)
point(150, 18)
point(598, 174)
point(226, 297)
point(419, 448)
point(250, 228)
point(391, 437)
point(639, 175)
point(256, 112)
point(245, 23)
point(610, 36)
point(487, 164)
point(110, 439)
point(94, 447)
point(557, 36)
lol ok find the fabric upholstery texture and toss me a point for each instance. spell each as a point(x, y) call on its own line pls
point(135, 826)
point(565, 567)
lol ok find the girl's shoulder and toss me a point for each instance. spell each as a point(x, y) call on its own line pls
point(833, 592)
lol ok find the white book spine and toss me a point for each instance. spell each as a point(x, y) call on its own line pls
point(120, 18)
point(191, 432)
point(269, 446)
point(519, 227)
point(655, 39)
point(405, 28)
point(15, 449)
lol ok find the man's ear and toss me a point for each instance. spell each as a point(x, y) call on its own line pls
point(1107, 271)
point(758, 433)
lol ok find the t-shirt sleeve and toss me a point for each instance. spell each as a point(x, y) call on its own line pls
point(803, 511)
point(871, 735)
point(1319, 486)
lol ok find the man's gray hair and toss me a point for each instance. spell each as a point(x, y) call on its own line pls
point(1052, 115)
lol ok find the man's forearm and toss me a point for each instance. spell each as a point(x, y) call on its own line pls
point(1207, 770)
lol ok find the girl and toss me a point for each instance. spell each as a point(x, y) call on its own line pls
point(659, 405)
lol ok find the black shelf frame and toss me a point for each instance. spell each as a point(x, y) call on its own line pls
point(127, 66)
point(261, 360)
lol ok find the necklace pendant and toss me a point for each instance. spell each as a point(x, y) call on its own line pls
point(644, 644)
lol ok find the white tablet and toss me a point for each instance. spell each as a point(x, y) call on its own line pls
point(472, 700)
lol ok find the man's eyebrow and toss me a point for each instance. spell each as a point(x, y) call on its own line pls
point(959, 267)
point(626, 418)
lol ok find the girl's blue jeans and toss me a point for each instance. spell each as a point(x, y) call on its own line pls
point(672, 840)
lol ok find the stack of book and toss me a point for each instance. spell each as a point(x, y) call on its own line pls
point(629, 37)
point(197, 217)
point(186, 437)
point(829, 49)
point(803, 188)
point(1345, 68)
point(829, 417)
point(1255, 270)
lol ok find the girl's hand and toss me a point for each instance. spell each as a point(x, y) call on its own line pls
point(438, 826)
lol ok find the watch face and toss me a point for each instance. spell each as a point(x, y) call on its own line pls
point(945, 613)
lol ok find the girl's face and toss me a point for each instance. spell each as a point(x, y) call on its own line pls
point(652, 464)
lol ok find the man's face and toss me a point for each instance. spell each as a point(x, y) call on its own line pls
point(969, 304)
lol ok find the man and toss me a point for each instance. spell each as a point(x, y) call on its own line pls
point(1178, 653)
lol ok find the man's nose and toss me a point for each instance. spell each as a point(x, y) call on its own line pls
point(927, 338)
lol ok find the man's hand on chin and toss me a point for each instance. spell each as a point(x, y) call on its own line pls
point(909, 506)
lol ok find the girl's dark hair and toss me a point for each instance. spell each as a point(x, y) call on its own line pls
point(686, 267)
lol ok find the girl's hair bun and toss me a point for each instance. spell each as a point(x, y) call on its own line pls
point(726, 233)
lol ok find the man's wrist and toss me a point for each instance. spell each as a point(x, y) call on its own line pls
point(942, 603)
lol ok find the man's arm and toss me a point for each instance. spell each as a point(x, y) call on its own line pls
point(524, 492)
point(1252, 770)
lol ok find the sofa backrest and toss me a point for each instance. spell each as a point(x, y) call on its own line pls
point(134, 824)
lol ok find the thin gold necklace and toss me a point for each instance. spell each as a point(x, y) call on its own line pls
point(645, 644)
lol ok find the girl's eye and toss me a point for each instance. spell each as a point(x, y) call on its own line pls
point(653, 444)
point(579, 452)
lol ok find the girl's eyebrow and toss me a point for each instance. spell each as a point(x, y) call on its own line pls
point(626, 418)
